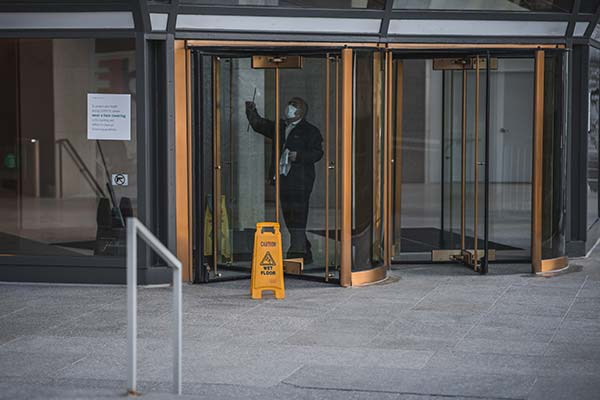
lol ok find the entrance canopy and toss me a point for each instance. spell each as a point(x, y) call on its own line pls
point(364, 20)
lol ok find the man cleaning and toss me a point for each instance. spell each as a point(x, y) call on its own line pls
point(300, 148)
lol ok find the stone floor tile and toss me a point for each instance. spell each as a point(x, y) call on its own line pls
point(413, 382)
point(482, 346)
point(565, 388)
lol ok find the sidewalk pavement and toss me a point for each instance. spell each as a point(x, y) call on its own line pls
point(430, 332)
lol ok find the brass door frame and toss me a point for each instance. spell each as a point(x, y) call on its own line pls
point(396, 160)
point(345, 270)
point(183, 157)
point(388, 160)
point(377, 214)
point(182, 79)
point(217, 162)
point(538, 264)
point(331, 166)
point(216, 153)
point(538, 149)
point(346, 165)
point(469, 257)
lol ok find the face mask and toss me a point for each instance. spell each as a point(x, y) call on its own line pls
point(290, 111)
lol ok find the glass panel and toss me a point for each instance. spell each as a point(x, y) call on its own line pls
point(239, 149)
point(461, 103)
point(592, 139)
point(55, 184)
point(437, 27)
point(367, 162)
point(487, 5)
point(420, 203)
point(596, 33)
point(303, 187)
point(511, 140)
point(450, 235)
point(332, 4)
point(431, 203)
point(589, 6)
point(554, 171)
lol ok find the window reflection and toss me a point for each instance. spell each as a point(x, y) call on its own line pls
point(367, 163)
point(592, 139)
point(487, 5)
point(55, 195)
point(332, 4)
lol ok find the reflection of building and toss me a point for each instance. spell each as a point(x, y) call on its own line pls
point(410, 98)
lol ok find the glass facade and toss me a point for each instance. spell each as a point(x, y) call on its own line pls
point(593, 130)
point(431, 156)
point(589, 6)
point(57, 193)
point(554, 162)
point(238, 110)
point(331, 4)
point(563, 6)
point(367, 161)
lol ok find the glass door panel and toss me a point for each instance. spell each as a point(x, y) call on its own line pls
point(241, 175)
point(308, 189)
point(463, 143)
point(236, 190)
point(438, 159)
point(368, 159)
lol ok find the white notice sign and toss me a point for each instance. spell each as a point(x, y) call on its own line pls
point(109, 116)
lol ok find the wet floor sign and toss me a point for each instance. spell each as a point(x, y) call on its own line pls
point(267, 261)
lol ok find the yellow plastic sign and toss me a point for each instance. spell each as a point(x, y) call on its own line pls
point(267, 261)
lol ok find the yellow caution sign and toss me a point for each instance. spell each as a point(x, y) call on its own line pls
point(267, 261)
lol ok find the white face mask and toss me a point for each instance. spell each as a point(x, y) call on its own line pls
point(290, 111)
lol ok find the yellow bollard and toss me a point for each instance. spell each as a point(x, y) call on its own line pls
point(267, 261)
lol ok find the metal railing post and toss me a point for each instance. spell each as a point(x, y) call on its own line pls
point(135, 227)
point(131, 306)
point(177, 311)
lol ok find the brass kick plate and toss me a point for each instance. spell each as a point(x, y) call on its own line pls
point(469, 63)
point(453, 255)
point(265, 62)
point(293, 266)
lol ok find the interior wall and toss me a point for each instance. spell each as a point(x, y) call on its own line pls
point(36, 116)
point(72, 64)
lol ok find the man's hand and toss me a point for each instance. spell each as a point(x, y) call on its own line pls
point(250, 106)
point(293, 156)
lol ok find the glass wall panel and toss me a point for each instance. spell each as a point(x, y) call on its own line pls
point(237, 114)
point(58, 196)
point(589, 6)
point(487, 5)
point(553, 170)
point(596, 33)
point(511, 139)
point(421, 196)
point(367, 162)
point(592, 137)
point(332, 4)
point(305, 199)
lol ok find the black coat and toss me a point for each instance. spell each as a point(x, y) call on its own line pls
point(305, 139)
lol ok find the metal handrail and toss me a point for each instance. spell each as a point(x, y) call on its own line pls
point(135, 227)
point(83, 168)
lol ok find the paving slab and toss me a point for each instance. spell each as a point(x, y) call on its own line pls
point(413, 382)
point(565, 388)
point(432, 332)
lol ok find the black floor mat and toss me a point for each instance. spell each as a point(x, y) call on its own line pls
point(423, 240)
point(12, 244)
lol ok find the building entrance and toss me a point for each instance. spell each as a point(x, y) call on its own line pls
point(266, 149)
point(369, 156)
point(463, 157)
